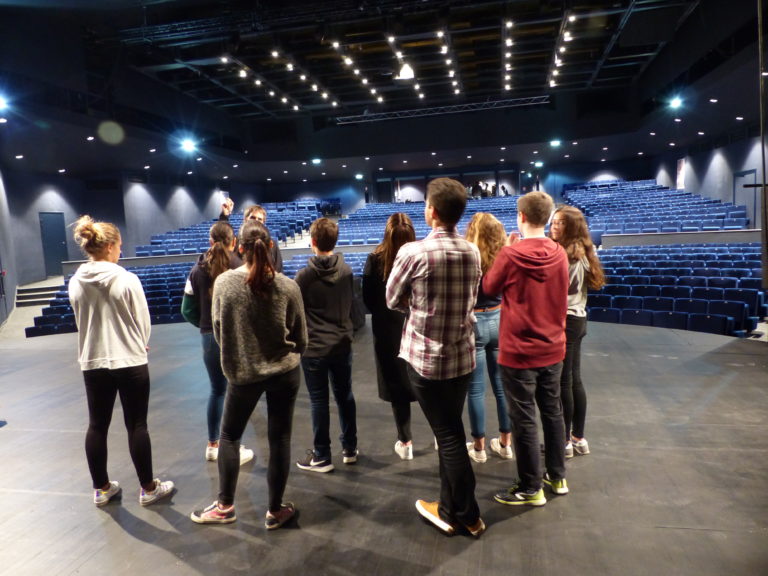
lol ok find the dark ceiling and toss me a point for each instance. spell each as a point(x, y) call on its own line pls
point(309, 68)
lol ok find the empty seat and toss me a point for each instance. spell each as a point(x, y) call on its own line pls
point(658, 303)
point(664, 280)
point(637, 279)
point(712, 323)
point(691, 305)
point(722, 282)
point(623, 302)
point(740, 272)
point(692, 281)
point(739, 311)
point(617, 289)
point(643, 290)
point(750, 297)
point(707, 293)
point(637, 317)
point(604, 315)
point(677, 320)
point(599, 300)
point(675, 291)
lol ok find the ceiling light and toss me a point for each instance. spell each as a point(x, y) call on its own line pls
point(365, 80)
point(554, 143)
point(405, 161)
point(269, 179)
point(509, 23)
point(235, 165)
point(225, 177)
point(380, 168)
point(713, 100)
point(448, 61)
point(434, 153)
point(421, 96)
point(153, 150)
point(439, 163)
point(199, 159)
point(380, 99)
point(356, 71)
point(224, 59)
point(567, 37)
point(275, 53)
point(509, 42)
point(257, 82)
point(316, 161)
point(322, 173)
point(373, 90)
point(675, 103)
point(552, 83)
point(567, 156)
point(457, 91)
point(538, 164)
point(358, 176)
point(507, 55)
point(678, 120)
point(469, 157)
point(296, 107)
point(502, 160)
point(652, 133)
point(335, 103)
point(90, 138)
point(348, 61)
point(391, 39)
point(272, 93)
point(314, 87)
point(146, 167)
point(303, 163)
point(640, 153)
point(243, 73)
point(343, 165)
point(285, 171)
point(605, 148)
point(324, 95)
point(574, 143)
point(602, 159)
point(367, 157)
point(416, 87)
point(571, 18)
point(503, 148)
point(507, 87)
point(562, 49)
point(189, 172)
point(739, 118)
point(507, 76)
point(455, 83)
point(451, 73)
point(303, 77)
point(555, 72)
point(399, 55)
point(303, 179)
point(440, 33)
point(335, 45)
point(19, 156)
point(444, 50)
point(289, 67)
point(406, 72)
point(284, 100)
point(535, 151)
point(671, 143)
point(188, 145)
point(700, 133)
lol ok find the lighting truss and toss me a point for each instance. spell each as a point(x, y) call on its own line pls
point(439, 110)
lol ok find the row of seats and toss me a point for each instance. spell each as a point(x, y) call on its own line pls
point(711, 323)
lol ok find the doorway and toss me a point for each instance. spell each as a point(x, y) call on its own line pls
point(54, 237)
point(749, 197)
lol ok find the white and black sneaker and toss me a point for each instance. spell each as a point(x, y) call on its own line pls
point(311, 462)
point(349, 456)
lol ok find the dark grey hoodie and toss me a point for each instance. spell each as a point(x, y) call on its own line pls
point(326, 288)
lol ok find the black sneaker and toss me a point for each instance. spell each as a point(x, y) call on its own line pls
point(315, 465)
point(349, 456)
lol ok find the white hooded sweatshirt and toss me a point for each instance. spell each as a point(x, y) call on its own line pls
point(111, 314)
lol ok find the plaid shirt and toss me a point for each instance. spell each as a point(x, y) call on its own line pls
point(435, 281)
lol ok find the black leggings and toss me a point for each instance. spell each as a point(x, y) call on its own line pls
point(239, 403)
point(572, 392)
point(101, 388)
point(402, 413)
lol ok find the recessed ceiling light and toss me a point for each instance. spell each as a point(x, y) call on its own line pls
point(224, 59)
point(275, 53)
point(189, 173)
point(502, 147)
point(303, 179)
point(571, 18)
point(380, 168)
point(343, 165)
point(469, 157)
point(199, 159)
point(243, 73)
point(285, 171)
point(554, 143)
point(671, 143)
point(713, 100)
point(19, 156)
point(652, 133)
point(567, 156)
point(367, 157)
point(678, 119)
point(225, 177)
point(322, 173)
point(358, 176)
point(146, 167)
point(235, 165)
point(391, 39)
point(700, 133)
point(739, 118)
point(90, 138)
point(153, 150)
point(269, 179)
point(439, 163)
point(62, 170)
point(335, 45)
point(640, 153)
point(574, 143)
point(434, 153)
point(509, 23)
point(535, 151)
point(502, 160)
point(405, 161)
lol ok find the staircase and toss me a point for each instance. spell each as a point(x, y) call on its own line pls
point(36, 296)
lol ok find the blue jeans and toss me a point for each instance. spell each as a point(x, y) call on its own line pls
point(212, 361)
point(527, 388)
point(317, 373)
point(486, 352)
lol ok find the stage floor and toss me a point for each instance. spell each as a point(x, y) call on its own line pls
point(677, 482)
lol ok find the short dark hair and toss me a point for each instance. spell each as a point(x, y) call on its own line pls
point(537, 207)
point(449, 198)
point(324, 232)
point(255, 209)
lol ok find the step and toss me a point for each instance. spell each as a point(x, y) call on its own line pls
point(39, 289)
point(38, 302)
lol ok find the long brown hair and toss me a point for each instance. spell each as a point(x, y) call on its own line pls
point(255, 241)
point(577, 243)
point(399, 231)
point(94, 238)
point(216, 259)
point(488, 234)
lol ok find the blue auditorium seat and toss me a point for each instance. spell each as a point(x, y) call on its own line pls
point(624, 302)
point(604, 315)
point(637, 279)
point(599, 300)
point(692, 281)
point(617, 289)
point(658, 303)
point(676, 291)
point(644, 290)
point(722, 282)
point(664, 280)
point(707, 293)
point(750, 297)
point(712, 323)
point(637, 317)
point(739, 311)
point(691, 305)
point(677, 320)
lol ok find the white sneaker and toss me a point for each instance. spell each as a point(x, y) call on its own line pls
point(211, 453)
point(476, 455)
point(246, 454)
point(405, 451)
point(162, 489)
point(581, 447)
point(504, 452)
point(102, 497)
point(568, 450)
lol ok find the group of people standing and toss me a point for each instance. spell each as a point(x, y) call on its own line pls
point(444, 310)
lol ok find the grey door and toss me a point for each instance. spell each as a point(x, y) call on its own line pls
point(748, 196)
point(54, 236)
point(3, 301)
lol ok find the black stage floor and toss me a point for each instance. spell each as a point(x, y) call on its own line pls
point(677, 482)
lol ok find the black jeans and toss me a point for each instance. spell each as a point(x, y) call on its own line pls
point(101, 388)
point(239, 403)
point(572, 393)
point(402, 413)
point(525, 389)
point(443, 404)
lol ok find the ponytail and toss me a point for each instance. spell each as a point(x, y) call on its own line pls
point(255, 241)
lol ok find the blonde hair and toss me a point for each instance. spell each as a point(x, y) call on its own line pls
point(95, 237)
point(488, 234)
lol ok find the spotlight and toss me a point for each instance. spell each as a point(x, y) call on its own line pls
point(675, 103)
point(3, 103)
point(188, 145)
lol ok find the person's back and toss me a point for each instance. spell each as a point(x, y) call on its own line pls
point(532, 275)
point(326, 289)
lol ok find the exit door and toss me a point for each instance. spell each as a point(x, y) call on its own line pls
point(54, 236)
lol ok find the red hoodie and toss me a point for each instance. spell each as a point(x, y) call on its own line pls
point(532, 277)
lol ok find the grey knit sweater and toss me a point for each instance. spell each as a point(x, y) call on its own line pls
point(259, 337)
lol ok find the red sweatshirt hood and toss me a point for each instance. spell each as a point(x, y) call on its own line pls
point(539, 256)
